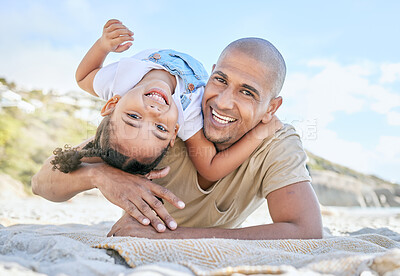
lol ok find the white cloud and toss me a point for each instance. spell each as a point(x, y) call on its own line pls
point(36, 20)
point(352, 154)
point(41, 67)
point(394, 118)
point(334, 88)
point(388, 161)
point(311, 102)
point(388, 147)
point(339, 88)
point(383, 100)
point(390, 72)
point(37, 52)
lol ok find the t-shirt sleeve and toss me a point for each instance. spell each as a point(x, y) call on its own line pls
point(193, 118)
point(104, 81)
point(285, 164)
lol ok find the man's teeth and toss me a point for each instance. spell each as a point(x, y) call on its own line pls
point(221, 119)
point(157, 97)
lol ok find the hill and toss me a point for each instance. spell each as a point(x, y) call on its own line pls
point(337, 185)
point(33, 123)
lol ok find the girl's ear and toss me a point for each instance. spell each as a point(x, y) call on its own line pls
point(274, 104)
point(172, 142)
point(109, 107)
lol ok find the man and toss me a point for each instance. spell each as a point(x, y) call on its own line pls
point(242, 91)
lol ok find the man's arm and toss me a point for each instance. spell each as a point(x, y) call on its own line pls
point(213, 165)
point(294, 210)
point(133, 193)
point(57, 186)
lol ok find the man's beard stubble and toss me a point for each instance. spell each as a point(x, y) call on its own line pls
point(222, 140)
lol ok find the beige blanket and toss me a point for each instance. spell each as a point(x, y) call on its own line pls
point(350, 255)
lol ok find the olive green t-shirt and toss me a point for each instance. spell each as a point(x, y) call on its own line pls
point(279, 161)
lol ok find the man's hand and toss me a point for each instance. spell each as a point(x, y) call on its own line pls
point(115, 37)
point(263, 130)
point(294, 210)
point(137, 195)
point(128, 226)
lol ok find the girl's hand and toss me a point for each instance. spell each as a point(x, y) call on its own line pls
point(264, 130)
point(115, 37)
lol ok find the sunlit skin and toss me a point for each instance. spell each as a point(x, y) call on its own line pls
point(237, 89)
point(143, 124)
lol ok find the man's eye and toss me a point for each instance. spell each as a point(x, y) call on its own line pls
point(220, 80)
point(161, 127)
point(134, 116)
point(247, 93)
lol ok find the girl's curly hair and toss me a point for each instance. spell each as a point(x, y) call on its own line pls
point(68, 159)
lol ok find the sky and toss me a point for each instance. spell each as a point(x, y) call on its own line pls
point(342, 89)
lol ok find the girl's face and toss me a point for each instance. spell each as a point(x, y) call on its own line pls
point(145, 119)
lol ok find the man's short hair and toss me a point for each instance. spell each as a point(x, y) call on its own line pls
point(262, 50)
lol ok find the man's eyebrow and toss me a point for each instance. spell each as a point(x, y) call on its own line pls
point(251, 88)
point(225, 76)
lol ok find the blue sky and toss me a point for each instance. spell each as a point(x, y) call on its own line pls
point(342, 90)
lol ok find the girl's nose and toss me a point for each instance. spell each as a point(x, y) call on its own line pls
point(154, 109)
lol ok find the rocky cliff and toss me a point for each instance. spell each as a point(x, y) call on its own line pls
point(336, 185)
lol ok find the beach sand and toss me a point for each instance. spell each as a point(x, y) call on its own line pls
point(91, 213)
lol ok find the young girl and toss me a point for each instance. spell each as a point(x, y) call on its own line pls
point(153, 97)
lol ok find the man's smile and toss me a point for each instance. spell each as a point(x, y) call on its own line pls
point(221, 118)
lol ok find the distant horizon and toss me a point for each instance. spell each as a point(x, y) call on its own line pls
point(342, 91)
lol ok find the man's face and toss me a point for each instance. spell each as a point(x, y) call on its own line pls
point(236, 98)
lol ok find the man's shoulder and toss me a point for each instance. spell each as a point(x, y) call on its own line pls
point(284, 146)
point(281, 160)
point(283, 138)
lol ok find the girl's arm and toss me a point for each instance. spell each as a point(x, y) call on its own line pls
point(213, 165)
point(112, 39)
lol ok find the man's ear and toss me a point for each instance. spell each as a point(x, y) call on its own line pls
point(109, 107)
point(273, 106)
point(172, 142)
point(213, 67)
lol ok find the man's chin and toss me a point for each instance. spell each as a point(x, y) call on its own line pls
point(218, 140)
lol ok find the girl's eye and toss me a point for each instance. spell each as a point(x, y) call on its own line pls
point(162, 128)
point(134, 116)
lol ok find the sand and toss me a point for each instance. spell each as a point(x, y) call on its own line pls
point(31, 244)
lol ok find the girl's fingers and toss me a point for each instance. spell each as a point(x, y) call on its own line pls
point(114, 27)
point(119, 32)
point(110, 22)
point(123, 47)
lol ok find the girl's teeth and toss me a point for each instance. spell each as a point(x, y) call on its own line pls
point(157, 97)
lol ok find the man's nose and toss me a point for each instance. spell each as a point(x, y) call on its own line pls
point(224, 99)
